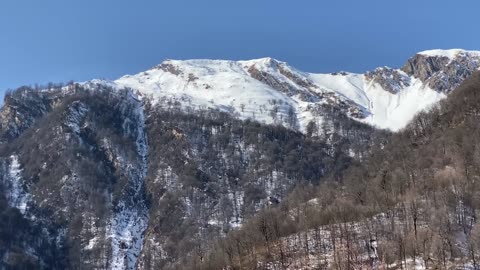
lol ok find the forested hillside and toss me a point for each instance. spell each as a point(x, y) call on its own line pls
point(413, 203)
point(112, 181)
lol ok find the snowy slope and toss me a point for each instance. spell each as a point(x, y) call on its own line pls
point(386, 110)
point(17, 196)
point(224, 85)
point(452, 53)
point(271, 91)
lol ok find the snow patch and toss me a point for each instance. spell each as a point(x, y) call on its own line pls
point(92, 243)
point(130, 218)
point(17, 197)
point(395, 111)
point(452, 53)
point(237, 199)
point(76, 113)
point(126, 234)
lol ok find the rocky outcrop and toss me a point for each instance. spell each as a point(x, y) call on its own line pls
point(294, 84)
point(168, 67)
point(391, 80)
point(442, 73)
point(299, 80)
point(276, 83)
point(22, 108)
point(423, 66)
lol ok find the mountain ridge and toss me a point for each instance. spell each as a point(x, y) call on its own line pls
point(386, 98)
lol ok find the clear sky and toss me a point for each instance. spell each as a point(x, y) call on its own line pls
point(62, 40)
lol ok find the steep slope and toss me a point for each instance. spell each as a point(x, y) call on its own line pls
point(413, 204)
point(78, 173)
point(117, 182)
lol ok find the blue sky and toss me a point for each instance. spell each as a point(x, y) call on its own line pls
point(59, 40)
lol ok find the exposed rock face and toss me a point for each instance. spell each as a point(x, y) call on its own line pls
point(300, 86)
point(301, 81)
point(168, 67)
point(440, 72)
point(392, 80)
point(24, 106)
point(423, 66)
point(282, 86)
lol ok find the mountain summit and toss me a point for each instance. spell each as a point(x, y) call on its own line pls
point(271, 91)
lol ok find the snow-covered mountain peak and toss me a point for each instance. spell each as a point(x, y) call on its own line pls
point(265, 61)
point(271, 91)
point(451, 53)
